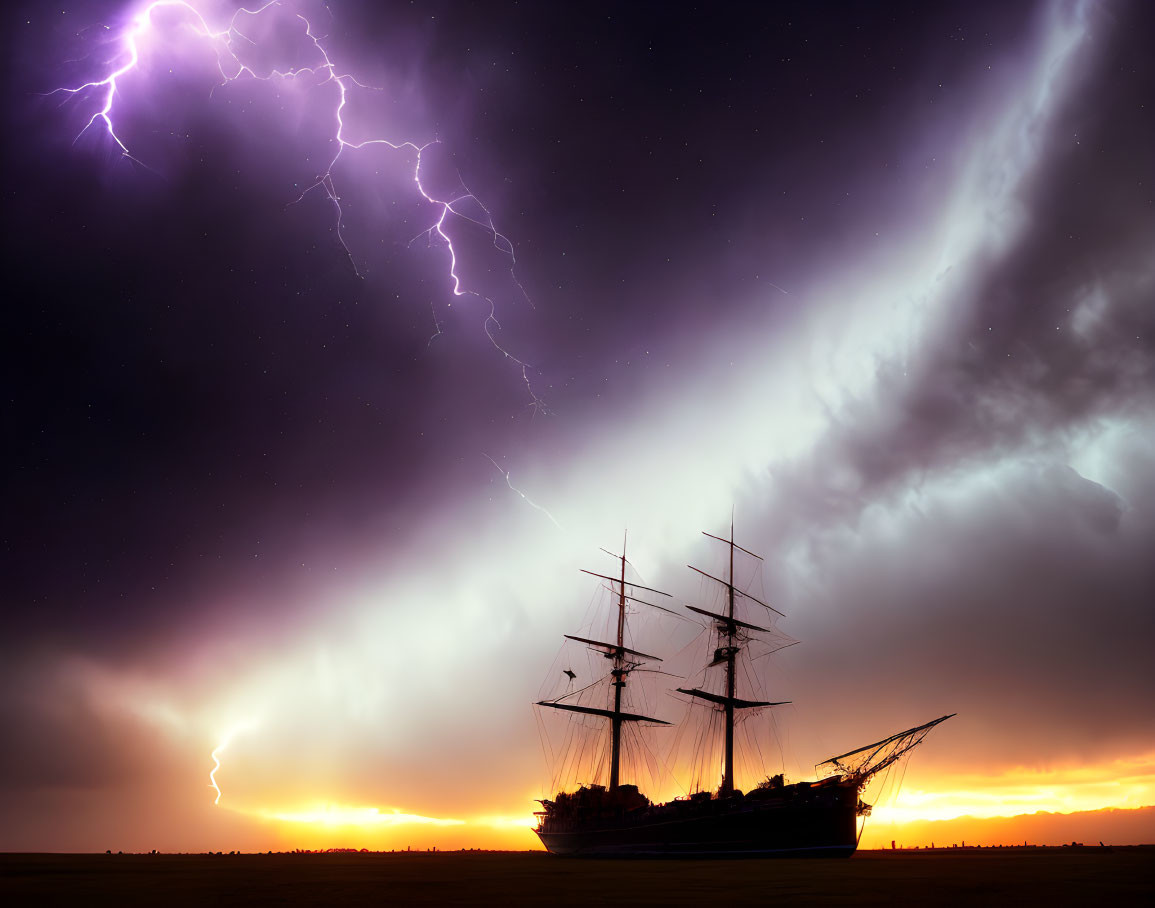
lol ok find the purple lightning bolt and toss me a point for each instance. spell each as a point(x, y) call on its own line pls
point(225, 43)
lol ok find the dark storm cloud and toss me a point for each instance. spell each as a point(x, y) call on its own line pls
point(1060, 328)
point(206, 404)
point(212, 407)
point(213, 416)
point(1040, 337)
point(941, 538)
point(59, 736)
point(1024, 606)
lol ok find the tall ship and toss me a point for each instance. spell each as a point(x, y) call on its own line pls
point(819, 818)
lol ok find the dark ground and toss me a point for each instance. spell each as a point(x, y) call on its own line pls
point(1050, 876)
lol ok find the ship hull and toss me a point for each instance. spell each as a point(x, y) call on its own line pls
point(826, 827)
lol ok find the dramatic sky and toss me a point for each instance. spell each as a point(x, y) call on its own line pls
point(878, 277)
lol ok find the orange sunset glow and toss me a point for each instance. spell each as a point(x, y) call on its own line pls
point(1108, 797)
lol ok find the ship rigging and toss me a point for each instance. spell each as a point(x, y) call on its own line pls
point(774, 818)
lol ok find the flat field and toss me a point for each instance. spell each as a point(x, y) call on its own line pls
point(1006, 876)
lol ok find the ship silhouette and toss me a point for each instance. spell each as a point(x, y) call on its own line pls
point(817, 818)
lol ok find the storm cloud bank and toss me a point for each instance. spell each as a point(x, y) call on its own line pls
point(249, 492)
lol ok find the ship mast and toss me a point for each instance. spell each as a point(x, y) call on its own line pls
point(622, 666)
point(619, 679)
point(731, 629)
point(727, 654)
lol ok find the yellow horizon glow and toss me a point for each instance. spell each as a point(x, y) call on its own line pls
point(1018, 792)
point(320, 826)
point(1126, 783)
point(330, 815)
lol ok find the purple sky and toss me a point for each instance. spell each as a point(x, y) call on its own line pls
point(879, 277)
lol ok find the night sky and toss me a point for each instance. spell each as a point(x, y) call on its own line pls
point(878, 277)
